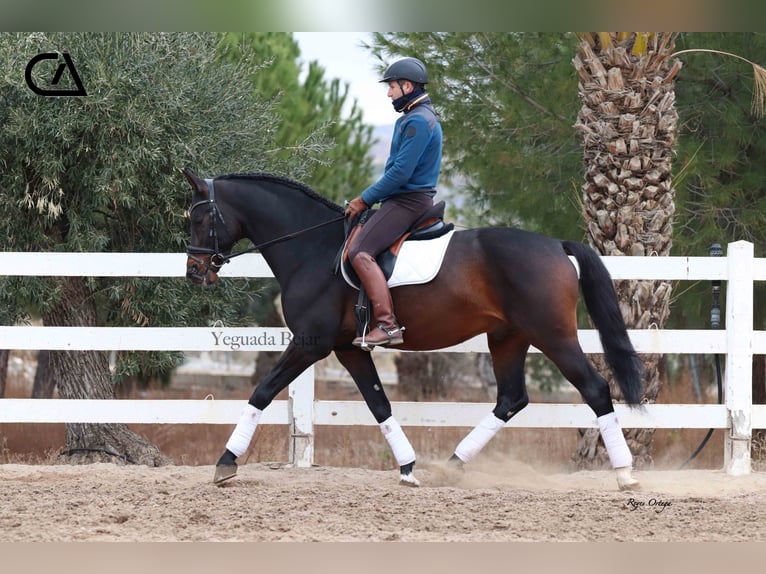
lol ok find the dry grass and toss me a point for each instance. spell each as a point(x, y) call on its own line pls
point(361, 447)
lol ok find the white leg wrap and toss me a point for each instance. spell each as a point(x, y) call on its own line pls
point(244, 431)
point(470, 446)
point(397, 440)
point(614, 440)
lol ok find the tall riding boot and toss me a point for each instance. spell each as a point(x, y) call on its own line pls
point(387, 331)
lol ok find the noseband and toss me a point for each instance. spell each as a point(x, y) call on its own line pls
point(218, 259)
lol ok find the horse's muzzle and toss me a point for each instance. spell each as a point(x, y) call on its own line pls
point(201, 270)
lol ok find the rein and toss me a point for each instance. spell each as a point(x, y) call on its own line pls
point(282, 238)
point(218, 259)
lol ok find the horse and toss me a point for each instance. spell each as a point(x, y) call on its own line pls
point(519, 288)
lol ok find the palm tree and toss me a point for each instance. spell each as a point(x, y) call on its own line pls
point(628, 122)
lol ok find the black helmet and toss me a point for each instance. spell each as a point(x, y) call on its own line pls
point(410, 69)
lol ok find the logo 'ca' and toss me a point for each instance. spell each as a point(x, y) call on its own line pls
point(67, 64)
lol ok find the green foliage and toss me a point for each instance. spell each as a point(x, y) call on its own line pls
point(507, 103)
point(720, 168)
point(102, 172)
point(308, 109)
point(719, 173)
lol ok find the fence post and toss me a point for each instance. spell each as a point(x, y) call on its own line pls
point(739, 358)
point(301, 415)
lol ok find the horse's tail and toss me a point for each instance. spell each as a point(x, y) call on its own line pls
point(604, 309)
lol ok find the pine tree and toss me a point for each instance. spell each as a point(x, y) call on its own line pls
point(310, 107)
point(507, 103)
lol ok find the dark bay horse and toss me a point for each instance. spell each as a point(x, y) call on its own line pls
point(518, 287)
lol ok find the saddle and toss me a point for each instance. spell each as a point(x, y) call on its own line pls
point(430, 225)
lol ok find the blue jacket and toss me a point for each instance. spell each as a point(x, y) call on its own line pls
point(414, 161)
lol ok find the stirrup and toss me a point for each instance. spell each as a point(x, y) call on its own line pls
point(394, 338)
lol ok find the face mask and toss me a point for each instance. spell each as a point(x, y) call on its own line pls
point(401, 102)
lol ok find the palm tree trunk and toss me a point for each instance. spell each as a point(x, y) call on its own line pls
point(628, 122)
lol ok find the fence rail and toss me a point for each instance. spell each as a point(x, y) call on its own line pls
point(302, 411)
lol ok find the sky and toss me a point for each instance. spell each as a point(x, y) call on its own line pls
point(342, 57)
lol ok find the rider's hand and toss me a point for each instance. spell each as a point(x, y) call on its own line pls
point(355, 207)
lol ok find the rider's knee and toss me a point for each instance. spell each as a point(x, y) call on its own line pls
point(359, 257)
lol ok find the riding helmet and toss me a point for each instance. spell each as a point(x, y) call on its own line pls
point(410, 69)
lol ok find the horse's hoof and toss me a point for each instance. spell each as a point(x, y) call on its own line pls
point(455, 463)
point(408, 480)
point(625, 481)
point(224, 472)
point(632, 485)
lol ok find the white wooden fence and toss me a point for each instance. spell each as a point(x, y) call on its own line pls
point(738, 342)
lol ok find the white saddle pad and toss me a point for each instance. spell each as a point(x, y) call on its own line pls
point(418, 261)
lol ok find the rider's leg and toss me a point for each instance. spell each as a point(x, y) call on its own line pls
point(387, 330)
point(394, 217)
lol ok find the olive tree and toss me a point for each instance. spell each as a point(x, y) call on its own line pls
point(101, 173)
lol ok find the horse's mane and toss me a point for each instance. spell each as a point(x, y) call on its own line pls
point(285, 181)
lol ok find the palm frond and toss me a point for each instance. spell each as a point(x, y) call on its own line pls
point(758, 106)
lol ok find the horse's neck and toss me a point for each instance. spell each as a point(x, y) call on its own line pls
point(283, 212)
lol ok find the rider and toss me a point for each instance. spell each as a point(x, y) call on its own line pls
point(405, 191)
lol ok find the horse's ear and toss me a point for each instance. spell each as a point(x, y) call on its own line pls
point(198, 185)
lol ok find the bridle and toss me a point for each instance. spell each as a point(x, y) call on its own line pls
point(217, 258)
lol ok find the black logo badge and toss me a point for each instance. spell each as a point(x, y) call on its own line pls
point(67, 64)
